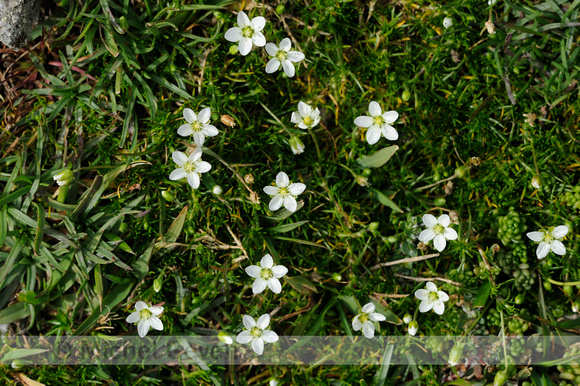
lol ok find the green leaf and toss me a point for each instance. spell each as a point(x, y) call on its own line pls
point(174, 230)
point(482, 295)
point(14, 195)
point(109, 42)
point(298, 241)
point(381, 375)
point(21, 353)
point(286, 227)
point(385, 200)
point(9, 263)
point(39, 227)
point(301, 284)
point(379, 158)
point(14, 313)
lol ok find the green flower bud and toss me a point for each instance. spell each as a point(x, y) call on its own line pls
point(456, 354)
point(224, 337)
point(296, 145)
point(413, 328)
point(336, 276)
point(407, 318)
point(158, 283)
point(374, 226)
point(167, 195)
point(439, 201)
point(64, 177)
point(233, 49)
point(406, 96)
point(280, 9)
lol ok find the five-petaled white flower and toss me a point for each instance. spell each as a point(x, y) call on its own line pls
point(549, 240)
point(306, 117)
point(145, 317)
point(366, 320)
point(247, 32)
point(282, 57)
point(378, 123)
point(197, 124)
point(284, 193)
point(257, 333)
point(437, 230)
point(431, 298)
point(266, 275)
point(190, 167)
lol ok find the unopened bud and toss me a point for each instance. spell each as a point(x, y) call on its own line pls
point(296, 145)
point(456, 354)
point(447, 22)
point(217, 190)
point(64, 177)
point(407, 318)
point(224, 337)
point(361, 180)
point(157, 284)
point(413, 328)
point(536, 182)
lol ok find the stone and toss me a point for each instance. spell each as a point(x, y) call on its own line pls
point(16, 20)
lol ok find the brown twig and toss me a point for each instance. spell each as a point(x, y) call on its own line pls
point(429, 279)
point(404, 261)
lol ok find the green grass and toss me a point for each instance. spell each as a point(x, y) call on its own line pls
point(101, 88)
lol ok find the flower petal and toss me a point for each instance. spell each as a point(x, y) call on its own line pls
point(369, 307)
point(258, 23)
point(536, 236)
point(425, 306)
point(390, 116)
point(560, 231)
point(143, 327)
point(272, 66)
point(363, 121)
point(368, 329)
point(282, 180)
point(258, 345)
point(258, 39)
point(156, 310)
point(179, 158)
point(439, 242)
point(439, 307)
point(356, 324)
point(450, 234)
point(203, 167)
point(156, 323)
point(444, 220)
point(543, 250)
point(274, 285)
point(244, 337)
point(189, 115)
point(429, 220)
point(140, 305)
point(279, 271)
point(304, 109)
point(193, 180)
point(185, 130)
point(259, 286)
point(204, 115)
point(296, 56)
point(195, 154)
point(421, 294)
point(389, 132)
point(290, 203)
point(177, 174)
point(296, 188)
point(263, 321)
point(253, 271)
point(271, 49)
point(245, 46)
point(243, 20)
point(198, 138)
point(427, 235)
point(376, 317)
point(375, 109)
point(269, 336)
point(267, 261)
point(285, 44)
point(442, 296)
point(431, 287)
point(276, 203)
point(288, 68)
point(271, 190)
point(234, 34)
point(249, 322)
point(134, 317)
point(373, 135)
point(558, 248)
point(296, 118)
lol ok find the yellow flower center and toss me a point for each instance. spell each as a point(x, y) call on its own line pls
point(196, 126)
point(283, 192)
point(363, 317)
point(145, 313)
point(439, 229)
point(266, 273)
point(378, 120)
point(281, 55)
point(256, 332)
point(433, 296)
point(189, 167)
point(247, 32)
point(308, 121)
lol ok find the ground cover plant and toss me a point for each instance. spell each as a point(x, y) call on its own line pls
point(340, 168)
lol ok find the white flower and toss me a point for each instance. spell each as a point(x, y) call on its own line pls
point(266, 275)
point(437, 230)
point(549, 240)
point(282, 57)
point(447, 22)
point(366, 319)
point(284, 193)
point(190, 167)
point(431, 298)
point(145, 317)
point(296, 145)
point(247, 32)
point(257, 333)
point(413, 328)
point(378, 123)
point(197, 124)
point(306, 117)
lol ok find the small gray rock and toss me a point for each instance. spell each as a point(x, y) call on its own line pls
point(16, 20)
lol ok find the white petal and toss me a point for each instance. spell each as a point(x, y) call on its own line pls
point(253, 271)
point(285, 44)
point(295, 118)
point(368, 329)
point(376, 317)
point(373, 135)
point(304, 109)
point(156, 323)
point(177, 174)
point(263, 321)
point(272, 66)
point(244, 337)
point(234, 34)
point(288, 68)
point(198, 138)
point(245, 46)
point(276, 203)
point(185, 130)
point(282, 180)
point(444, 220)
point(450, 234)
point(134, 317)
point(421, 294)
point(258, 39)
point(271, 190)
point(558, 248)
point(431, 286)
point(295, 56)
point(427, 235)
point(429, 220)
point(439, 307)
point(389, 132)
point(140, 305)
point(279, 271)
point(543, 250)
point(374, 109)
point(249, 322)
point(274, 285)
point(425, 306)
point(203, 167)
point(363, 121)
point(356, 324)
point(143, 327)
point(560, 231)
point(258, 345)
point(267, 261)
point(296, 188)
point(243, 20)
point(290, 203)
point(369, 307)
point(271, 49)
point(259, 286)
point(156, 310)
point(390, 116)
point(536, 236)
point(195, 154)
point(193, 180)
point(443, 296)
point(189, 115)
point(179, 158)
point(204, 115)
point(269, 336)
point(258, 23)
